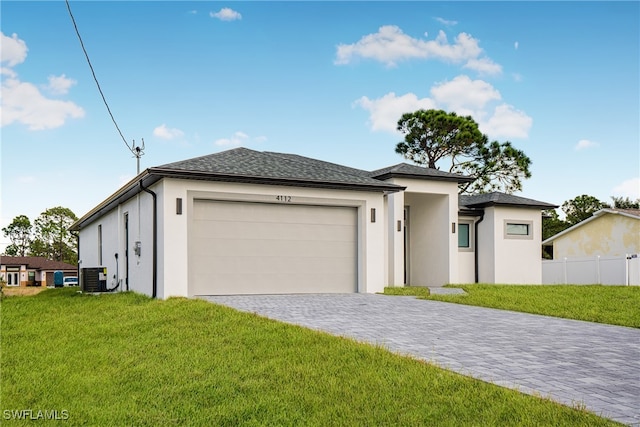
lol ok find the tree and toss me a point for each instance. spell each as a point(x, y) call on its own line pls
point(52, 237)
point(433, 136)
point(552, 224)
point(19, 232)
point(626, 203)
point(581, 208)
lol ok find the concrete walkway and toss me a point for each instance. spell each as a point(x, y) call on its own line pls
point(572, 362)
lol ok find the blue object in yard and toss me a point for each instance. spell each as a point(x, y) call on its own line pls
point(58, 279)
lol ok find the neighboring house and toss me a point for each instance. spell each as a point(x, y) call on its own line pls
point(602, 249)
point(32, 271)
point(609, 232)
point(243, 221)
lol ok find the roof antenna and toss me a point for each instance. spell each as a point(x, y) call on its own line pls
point(138, 151)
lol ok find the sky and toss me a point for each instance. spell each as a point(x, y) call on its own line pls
point(327, 80)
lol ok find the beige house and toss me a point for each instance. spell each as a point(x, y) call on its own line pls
point(609, 232)
point(32, 271)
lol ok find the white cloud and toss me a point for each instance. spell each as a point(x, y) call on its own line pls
point(516, 45)
point(22, 102)
point(506, 122)
point(164, 132)
point(239, 138)
point(385, 112)
point(629, 188)
point(583, 144)
point(484, 66)
point(462, 95)
point(14, 50)
point(60, 85)
point(226, 14)
point(390, 45)
point(446, 22)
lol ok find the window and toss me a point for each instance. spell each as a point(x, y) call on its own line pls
point(518, 229)
point(465, 236)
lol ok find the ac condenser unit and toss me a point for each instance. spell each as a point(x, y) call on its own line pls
point(93, 279)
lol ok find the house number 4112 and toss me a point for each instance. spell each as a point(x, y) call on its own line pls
point(286, 199)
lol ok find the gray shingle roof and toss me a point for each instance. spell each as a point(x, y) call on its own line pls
point(412, 171)
point(243, 164)
point(501, 199)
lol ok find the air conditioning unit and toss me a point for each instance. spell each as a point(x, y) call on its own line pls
point(93, 279)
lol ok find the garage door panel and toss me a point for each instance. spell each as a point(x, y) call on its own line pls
point(258, 231)
point(277, 248)
point(281, 213)
point(304, 266)
point(290, 283)
point(238, 247)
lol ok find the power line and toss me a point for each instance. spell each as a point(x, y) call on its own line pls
point(95, 78)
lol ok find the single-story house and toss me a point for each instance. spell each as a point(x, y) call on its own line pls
point(609, 232)
point(32, 271)
point(249, 222)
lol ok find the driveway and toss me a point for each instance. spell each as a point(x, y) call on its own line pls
point(572, 362)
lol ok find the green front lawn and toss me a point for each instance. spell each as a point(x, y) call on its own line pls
point(124, 359)
point(615, 305)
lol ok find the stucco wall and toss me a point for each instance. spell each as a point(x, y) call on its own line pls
point(433, 247)
point(394, 244)
point(371, 235)
point(509, 260)
point(173, 231)
point(486, 245)
point(140, 213)
point(609, 234)
point(466, 256)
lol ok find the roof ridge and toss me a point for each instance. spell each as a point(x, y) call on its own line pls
point(205, 156)
point(334, 166)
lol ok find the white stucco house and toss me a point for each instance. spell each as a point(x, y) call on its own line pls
point(242, 221)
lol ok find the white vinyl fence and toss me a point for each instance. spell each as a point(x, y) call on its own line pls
point(602, 270)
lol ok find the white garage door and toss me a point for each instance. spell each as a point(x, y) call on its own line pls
point(262, 248)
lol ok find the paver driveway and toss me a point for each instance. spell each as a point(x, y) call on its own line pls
point(572, 362)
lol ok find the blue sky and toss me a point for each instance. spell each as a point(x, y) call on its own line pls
point(328, 80)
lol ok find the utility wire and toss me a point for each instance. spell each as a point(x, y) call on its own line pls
point(95, 78)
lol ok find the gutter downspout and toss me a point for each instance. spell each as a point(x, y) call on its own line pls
point(475, 244)
point(78, 261)
point(155, 239)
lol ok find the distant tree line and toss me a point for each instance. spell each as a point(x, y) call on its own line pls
point(48, 236)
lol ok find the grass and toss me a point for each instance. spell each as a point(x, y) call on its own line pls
point(614, 305)
point(125, 359)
